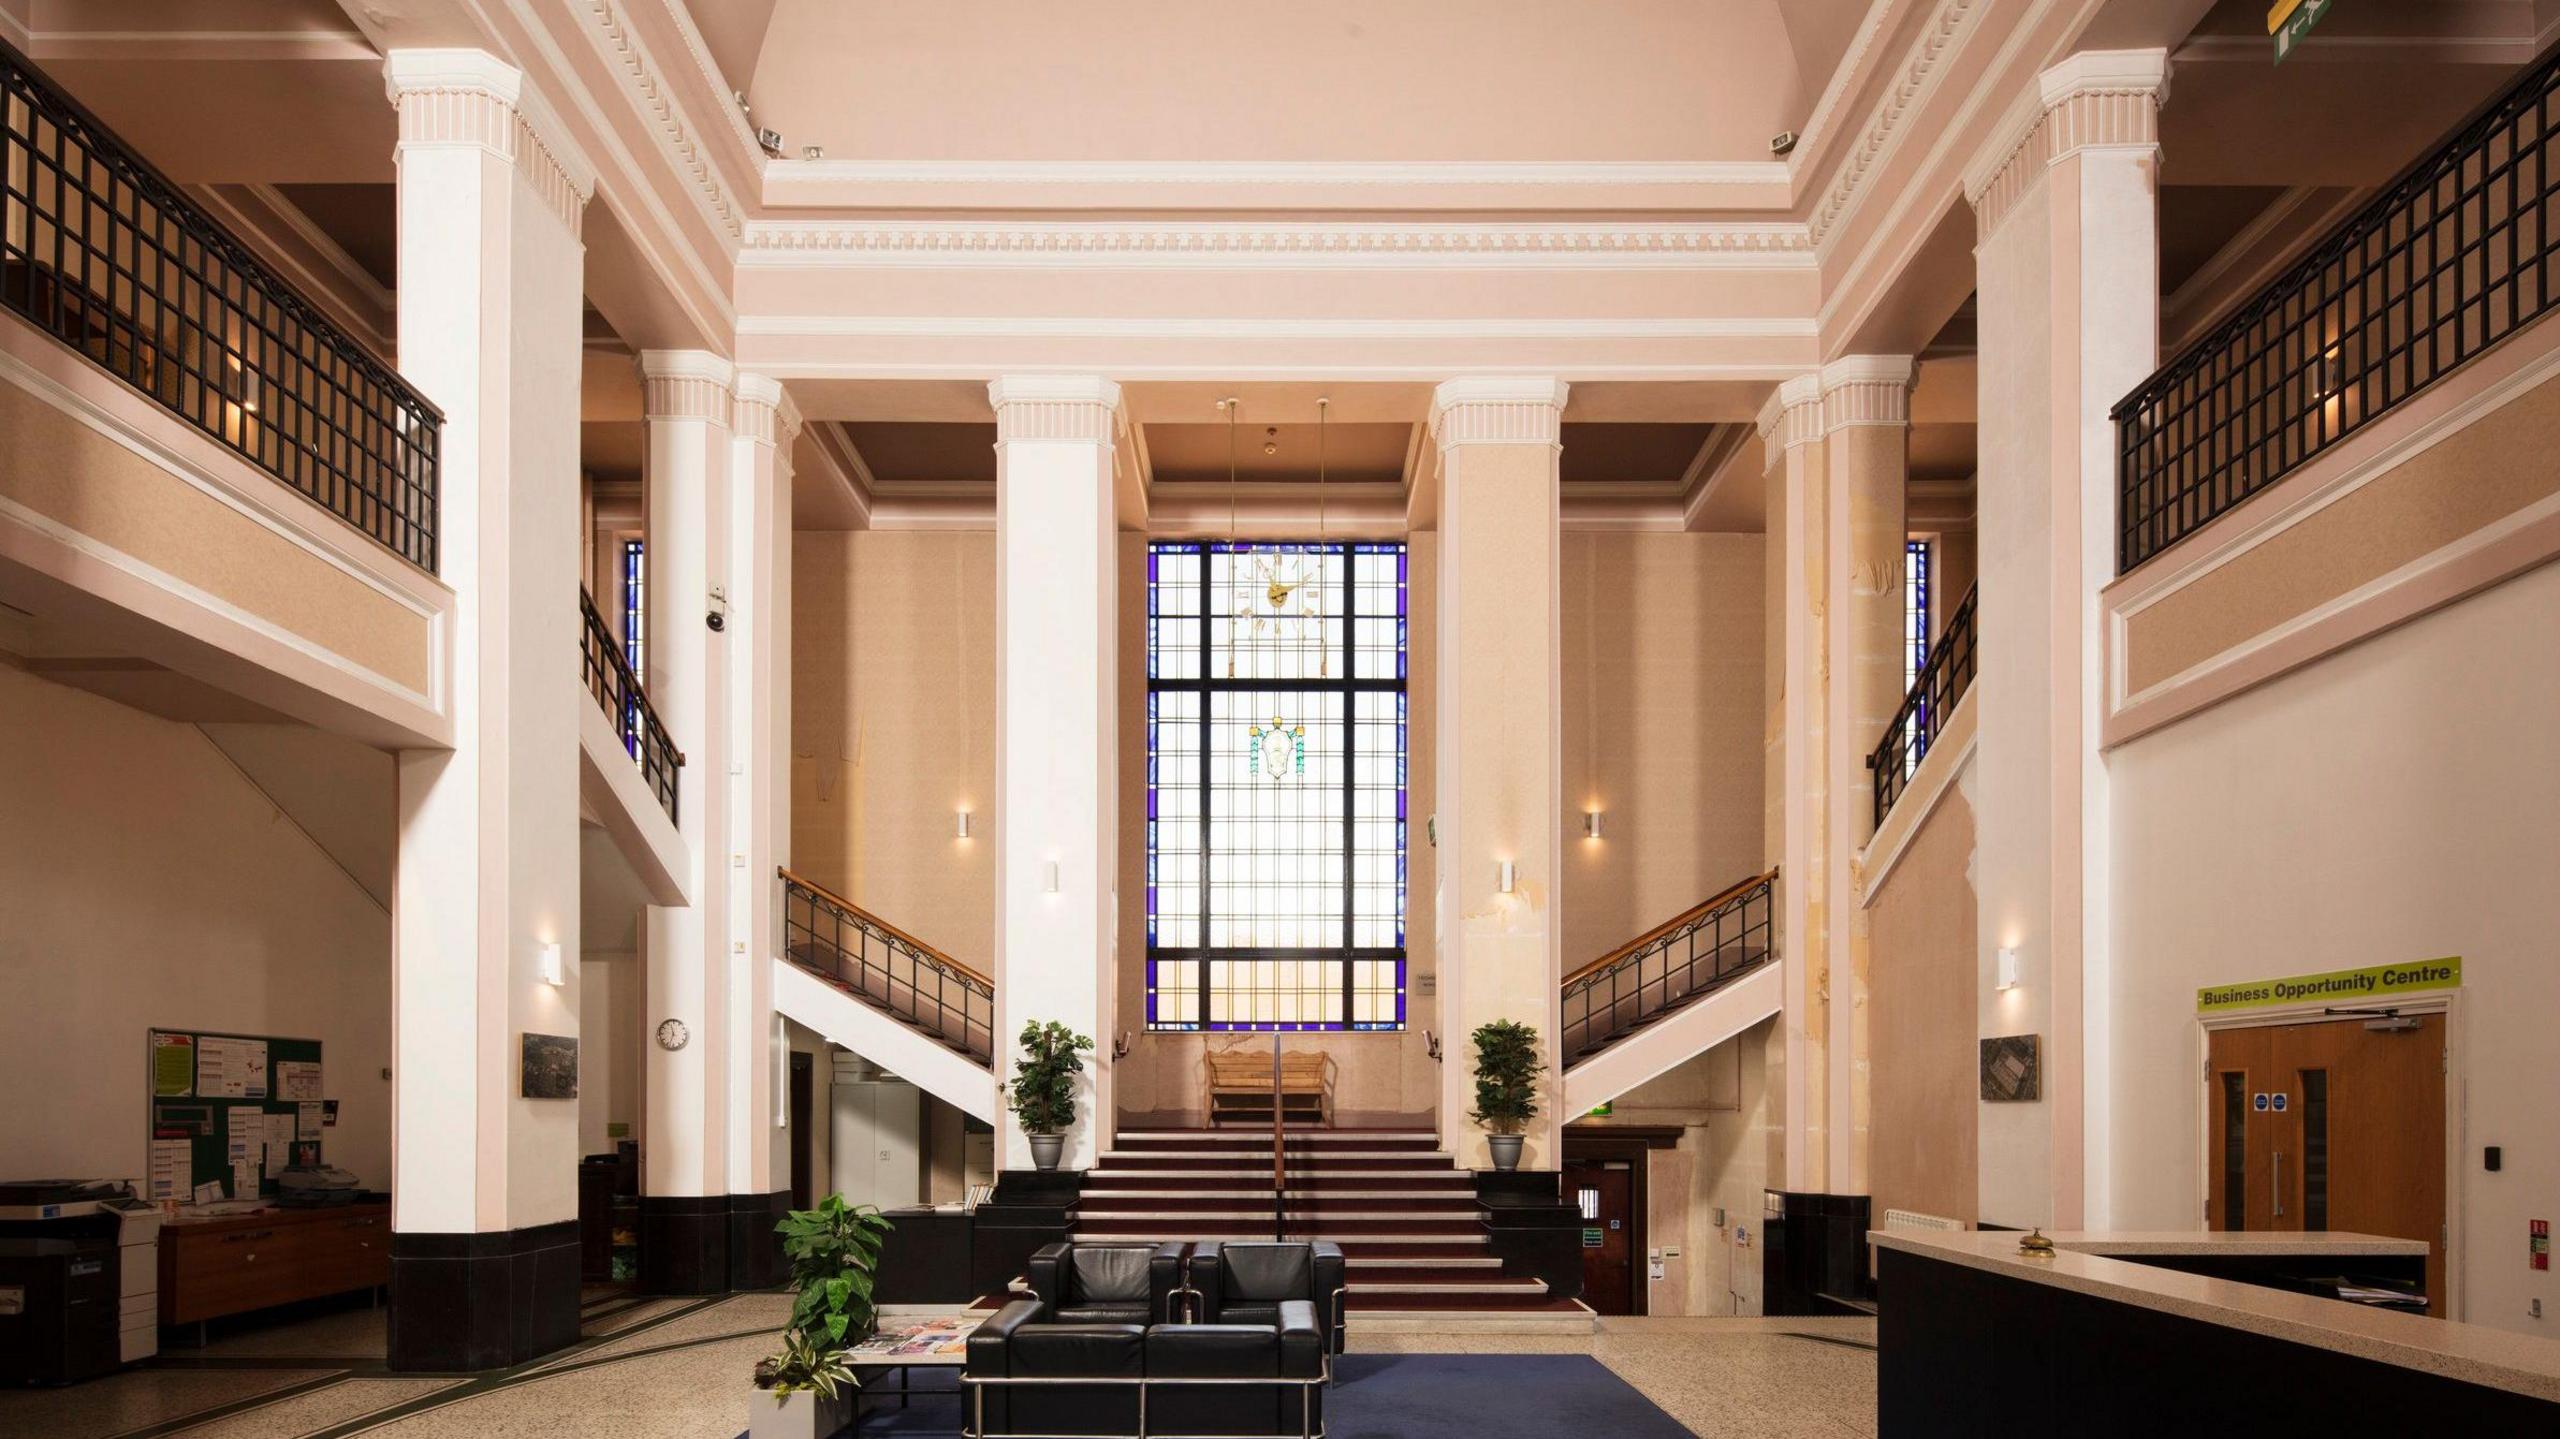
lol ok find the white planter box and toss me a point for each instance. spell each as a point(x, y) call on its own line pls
point(801, 1414)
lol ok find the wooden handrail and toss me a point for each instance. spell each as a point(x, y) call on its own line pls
point(882, 925)
point(1670, 926)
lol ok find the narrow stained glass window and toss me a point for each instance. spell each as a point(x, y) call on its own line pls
point(1276, 808)
point(635, 604)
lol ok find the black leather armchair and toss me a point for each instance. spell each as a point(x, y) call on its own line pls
point(1235, 1282)
point(1106, 1283)
point(1025, 1375)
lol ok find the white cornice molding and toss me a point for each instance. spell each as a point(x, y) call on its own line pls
point(1498, 410)
point(1837, 92)
point(15, 31)
point(669, 124)
point(681, 16)
point(1792, 415)
point(1921, 70)
point(128, 46)
point(1866, 390)
point(471, 97)
point(1284, 245)
point(1296, 173)
point(2095, 100)
point(1204, 327)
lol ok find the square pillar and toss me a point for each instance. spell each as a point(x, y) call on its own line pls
point(484, 1251)
point(1057, 746)
point(2067, 208)
point(689, 401)
point(1499, 787)
point(1798, 814)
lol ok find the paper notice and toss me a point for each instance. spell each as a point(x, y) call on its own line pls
point(173, 1174)
point(245, 1181)
point(231, 1068)
point(297, 1079)
point(173, 1065)
point(280, 1129)
point(254, 1067)
point(209, 1192)
point(306, 1123)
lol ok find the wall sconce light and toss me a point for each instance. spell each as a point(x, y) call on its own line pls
point(1506, 877)
point(2004, 974)
point(1051, 883)
point(2333, 372)
point(960, 825)
point(1591, 824)
point(548, 967)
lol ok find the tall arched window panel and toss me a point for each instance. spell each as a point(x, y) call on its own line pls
point(1276, 819)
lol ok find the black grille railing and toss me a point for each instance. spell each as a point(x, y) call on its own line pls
point(1667, 967)
point(1944, 678)
point(110, 257)
point(888, 969)
point(610, 680)
point(2449, 259)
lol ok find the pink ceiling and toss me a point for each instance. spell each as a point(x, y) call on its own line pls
point(1321, 80)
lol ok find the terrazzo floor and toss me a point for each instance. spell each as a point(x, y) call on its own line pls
point(674, 1369)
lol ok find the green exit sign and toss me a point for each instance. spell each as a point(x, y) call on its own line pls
point(2289, 20)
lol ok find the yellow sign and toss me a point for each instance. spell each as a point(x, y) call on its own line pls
point(2276, 16)
point(2340, 986)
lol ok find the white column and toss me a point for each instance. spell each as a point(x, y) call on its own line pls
point(688, 399)
point(2067, 205)
point(759, 711)
point(1500, 756)
point(1798, 813)
point(1866, 413)
point(491, 273)
point(1056, 745)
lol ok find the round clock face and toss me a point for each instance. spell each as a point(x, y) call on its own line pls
point(672, 1034)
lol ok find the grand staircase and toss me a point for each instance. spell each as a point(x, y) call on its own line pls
point(1414, 1243)
point(886, 995)
point(1680, 988)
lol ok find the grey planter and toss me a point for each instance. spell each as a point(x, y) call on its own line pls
point(1045, 1149)
point(1506, 1150)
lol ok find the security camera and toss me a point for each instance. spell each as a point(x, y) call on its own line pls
point(771, 141)
point(716, 620)
point(718, 617)
point(1782, 142)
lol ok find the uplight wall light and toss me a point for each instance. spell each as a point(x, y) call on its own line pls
point(2005, 971)
point(1591, 824)
point(960, 825)
point(1506, 877)
point(548, 966)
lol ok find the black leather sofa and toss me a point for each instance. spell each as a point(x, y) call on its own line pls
point(1028, 1375)
point(1107, 1283)
point(1236, 1282)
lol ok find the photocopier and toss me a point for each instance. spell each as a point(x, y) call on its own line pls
point(79, 1279)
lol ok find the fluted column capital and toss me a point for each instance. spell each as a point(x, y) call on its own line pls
point(471, 98)
point(1498, 410)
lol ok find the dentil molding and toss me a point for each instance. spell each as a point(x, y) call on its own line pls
point(1139, 243)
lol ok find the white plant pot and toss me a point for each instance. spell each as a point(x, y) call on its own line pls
point(800, 1414)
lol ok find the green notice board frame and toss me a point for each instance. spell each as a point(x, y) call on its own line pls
point(244, 1074)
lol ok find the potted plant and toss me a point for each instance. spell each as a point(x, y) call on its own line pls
point(834, 1251)
point(1044, 1087)
point(1506, 1085)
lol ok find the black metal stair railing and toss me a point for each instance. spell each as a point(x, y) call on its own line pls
point(611, 681)
point(1944, 677)
point(1668, 966)
point(2445, 262)
point(109, 256)
point(888, 969)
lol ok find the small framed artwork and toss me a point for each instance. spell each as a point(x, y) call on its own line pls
point(550, 1066)
point(2012, 1069)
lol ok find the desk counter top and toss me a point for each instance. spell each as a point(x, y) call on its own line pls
point(2089, 1263)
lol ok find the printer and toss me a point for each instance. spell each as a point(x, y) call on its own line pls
point(79, 1279)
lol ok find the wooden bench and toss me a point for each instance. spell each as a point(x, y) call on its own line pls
point(1240, 1086)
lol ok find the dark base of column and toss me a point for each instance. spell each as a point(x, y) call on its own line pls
point(755, 1250)
point(684, 1244)
point(483, 1301)
point(1814, 1254)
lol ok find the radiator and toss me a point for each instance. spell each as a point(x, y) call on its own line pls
point(1909, 1219)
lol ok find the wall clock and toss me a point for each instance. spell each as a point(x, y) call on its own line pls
point(672, 1034)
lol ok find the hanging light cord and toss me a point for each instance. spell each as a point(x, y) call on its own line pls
point(1322, 405)
point(1229, 405)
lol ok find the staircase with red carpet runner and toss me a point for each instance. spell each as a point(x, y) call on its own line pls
point(1413, 1240)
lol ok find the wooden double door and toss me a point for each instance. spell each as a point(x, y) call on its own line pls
point(2333, 1124)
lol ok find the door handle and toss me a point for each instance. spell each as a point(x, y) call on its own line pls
point(2277, 1186)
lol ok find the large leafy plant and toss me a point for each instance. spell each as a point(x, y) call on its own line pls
point(834, 1250)
point(1506, 1075)
point(1044, 1079)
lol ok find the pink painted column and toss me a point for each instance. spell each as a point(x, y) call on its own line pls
point(1500, 759)
point(484, 1246)
point(1797, 767)
point(2066, 201)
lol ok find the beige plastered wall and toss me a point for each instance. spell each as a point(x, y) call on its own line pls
point(145, 881)
point(1377, 1078)
point(1662, 727)
point(1703, 1194)
point(1922, 1053)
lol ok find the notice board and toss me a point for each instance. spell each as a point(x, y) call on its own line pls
point(230, 1111)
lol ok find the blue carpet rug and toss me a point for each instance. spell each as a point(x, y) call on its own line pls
point(1393, 1396)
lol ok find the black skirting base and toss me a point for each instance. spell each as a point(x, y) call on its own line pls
point(684, 1243)
point(483, 1301)
point(755, 1250)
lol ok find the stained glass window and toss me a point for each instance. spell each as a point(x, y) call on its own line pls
point(1275, 786)
point(1916, 579)
point(635, 604)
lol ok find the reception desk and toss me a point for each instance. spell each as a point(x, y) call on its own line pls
point(2114, 1334)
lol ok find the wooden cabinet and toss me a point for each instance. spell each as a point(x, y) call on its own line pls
point(213, 1267)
